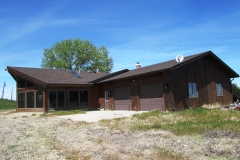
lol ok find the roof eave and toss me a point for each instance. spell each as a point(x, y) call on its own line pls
point(136, 75)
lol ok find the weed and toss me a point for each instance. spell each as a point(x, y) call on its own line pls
point(9, 112)
point(212, 106)
point(164, 154)
point(81, 123)
point(62, 113)
point(100, 141)
point(146, 115)
point(12, 147)
point(215, 133)
point(68, 152)
point(26, 135)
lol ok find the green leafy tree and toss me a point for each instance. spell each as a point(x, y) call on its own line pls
point(235, 91)
point(77, 54)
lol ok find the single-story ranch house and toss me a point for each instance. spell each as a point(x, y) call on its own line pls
point(199, 79)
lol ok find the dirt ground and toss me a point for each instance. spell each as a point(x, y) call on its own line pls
point(33, 136)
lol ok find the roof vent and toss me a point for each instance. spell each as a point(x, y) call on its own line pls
point(75, 74)
point(138, 65)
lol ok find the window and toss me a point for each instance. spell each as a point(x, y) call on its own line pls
point(52, 99)
point(106, 95)
point(192, 90)
point(29, 84)
point(73, 99)
point(20, 82)
point(21, 100)
point(83, 98)
point(56, 99)
point(30, 99)
point(219, 90)
point(61, 102)
point(39, 99)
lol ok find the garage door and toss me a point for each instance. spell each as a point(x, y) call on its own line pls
point(151, 97)
point(122, 99)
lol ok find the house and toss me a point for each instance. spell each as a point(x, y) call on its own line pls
point(199, 79)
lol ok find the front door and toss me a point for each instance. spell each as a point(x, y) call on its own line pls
point(106, 104)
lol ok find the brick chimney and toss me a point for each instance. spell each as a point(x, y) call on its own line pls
point(138, 65)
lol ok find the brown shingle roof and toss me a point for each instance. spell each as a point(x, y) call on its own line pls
point(65, 77)
point(169, 65)
point(56, 76)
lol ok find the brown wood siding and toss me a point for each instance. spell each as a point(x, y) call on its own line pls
point(111, 103)
point(211, 89)
point(202, 71)
point(206, 75)
point(134, 96)
point(132, 84)
point(93, 103)
point(202, 90)
point(167, 92)
point(101, 102)
point(191, 77)
point(227, 92)
point(179, 88)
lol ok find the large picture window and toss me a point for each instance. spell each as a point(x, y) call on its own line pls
point(219, 90)
point(192, 90)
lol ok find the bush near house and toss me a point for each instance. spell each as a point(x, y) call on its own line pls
point(7, 104)
point(236, 92)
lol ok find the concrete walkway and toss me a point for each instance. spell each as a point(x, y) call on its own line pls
point(95, 116)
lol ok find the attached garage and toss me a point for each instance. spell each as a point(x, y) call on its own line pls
point(151, 97)
point(122, 99)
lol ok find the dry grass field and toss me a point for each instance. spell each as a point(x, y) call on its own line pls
point(191, 134)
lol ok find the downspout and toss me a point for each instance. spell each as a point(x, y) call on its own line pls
point(46, 100)
point(231, 87)
point(171, 90)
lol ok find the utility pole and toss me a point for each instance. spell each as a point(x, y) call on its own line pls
point(11, 93)
point(4, 85)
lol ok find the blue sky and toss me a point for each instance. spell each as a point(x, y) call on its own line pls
point(146, 31)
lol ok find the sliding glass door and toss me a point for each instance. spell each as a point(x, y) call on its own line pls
point(56, 100)
point(78, 99)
